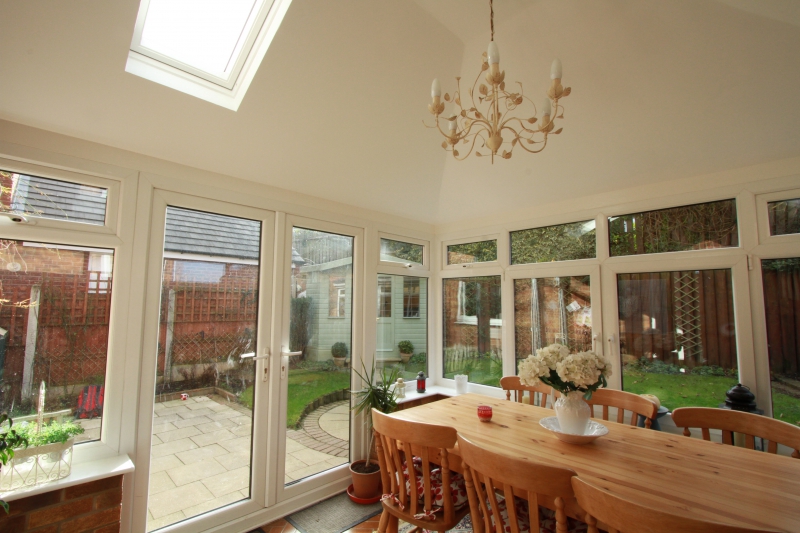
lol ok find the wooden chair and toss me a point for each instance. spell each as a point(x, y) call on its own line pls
point(415, 489)
point(624, 401)
point(512, 384)
point(730, 422)
point(492, 480)
point(619, 514)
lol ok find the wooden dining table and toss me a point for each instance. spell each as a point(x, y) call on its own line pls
point(673, 473)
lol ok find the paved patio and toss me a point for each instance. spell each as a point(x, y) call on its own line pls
point(200, 458)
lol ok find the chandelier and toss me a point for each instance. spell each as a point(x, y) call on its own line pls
point(482, 126)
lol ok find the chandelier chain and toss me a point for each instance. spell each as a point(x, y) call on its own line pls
point(491, 18)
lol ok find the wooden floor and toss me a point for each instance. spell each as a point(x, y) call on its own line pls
point(282, 526)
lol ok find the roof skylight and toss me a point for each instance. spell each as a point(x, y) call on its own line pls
point(207, 48)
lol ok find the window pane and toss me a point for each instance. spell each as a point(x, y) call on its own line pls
point(401, 252)
point(548, 310)
point(402, 329)
point(553, 243)
point(472, 329)
point(782, 302)
point(320, 327)
point(678, 336)
point(201, 450)
point(55, 305)
point(784, 217)
point(691, 227)
point(205, 35)
point(473, 252)
point(49, 198)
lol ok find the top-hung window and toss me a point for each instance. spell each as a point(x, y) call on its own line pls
point(210, 49)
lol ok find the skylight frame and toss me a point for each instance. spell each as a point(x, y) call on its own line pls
point(227, 92)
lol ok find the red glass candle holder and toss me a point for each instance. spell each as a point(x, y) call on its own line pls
point(485, 413)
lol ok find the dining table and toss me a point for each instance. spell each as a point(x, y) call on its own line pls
point(670, 472)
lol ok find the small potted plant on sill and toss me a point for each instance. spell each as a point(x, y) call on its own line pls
point(47, 455)
point(406, 350)
point(339, 352)
point(10, 440)
point(376, 394)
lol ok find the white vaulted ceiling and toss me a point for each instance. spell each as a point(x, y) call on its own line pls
point(661, 90)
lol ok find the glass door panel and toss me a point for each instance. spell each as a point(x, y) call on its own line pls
point(782, 302)
point(678, 336)
point(320, 336)
point(200, 459)
point(551, 310)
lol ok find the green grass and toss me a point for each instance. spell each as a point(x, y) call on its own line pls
point(785, 407)
point(679, 390)
point(305, 386)
point(481, 371)
point(693, 390)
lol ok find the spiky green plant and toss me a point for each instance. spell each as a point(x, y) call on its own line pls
point(376, 394)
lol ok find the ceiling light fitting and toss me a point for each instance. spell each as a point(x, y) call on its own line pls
point(485, 127)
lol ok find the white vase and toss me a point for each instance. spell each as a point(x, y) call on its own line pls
point(573, 413)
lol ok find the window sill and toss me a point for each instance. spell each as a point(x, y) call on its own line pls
point(82, 472)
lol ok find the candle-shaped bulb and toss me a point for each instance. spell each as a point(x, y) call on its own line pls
point(494, 53)
point(436, 88)
point(453, 125)
point(555, 70)
point(546, 107)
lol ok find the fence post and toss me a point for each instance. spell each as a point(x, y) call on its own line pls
point(30, 341)
point(168, 342)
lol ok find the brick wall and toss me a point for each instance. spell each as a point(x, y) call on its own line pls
point(92, 507)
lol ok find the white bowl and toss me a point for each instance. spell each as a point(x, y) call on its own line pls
point(594, 430)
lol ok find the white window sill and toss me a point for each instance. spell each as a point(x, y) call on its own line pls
point(82, 472)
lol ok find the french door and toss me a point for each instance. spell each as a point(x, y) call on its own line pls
point(320, 347)
point(209, 295)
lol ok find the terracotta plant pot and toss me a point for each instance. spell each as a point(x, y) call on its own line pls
point(338, 361)
point(405, 357)
point(365, 486)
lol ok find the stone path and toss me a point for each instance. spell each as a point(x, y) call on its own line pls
point(200, 457)
point(321, 444)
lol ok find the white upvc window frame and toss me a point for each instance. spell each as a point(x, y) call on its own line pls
point(226, 92)
point(500, 262)
point(116, 234)
point(112, 186)
point(762, 211)
point(408, 269)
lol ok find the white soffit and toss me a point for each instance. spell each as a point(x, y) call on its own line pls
point(210, 49)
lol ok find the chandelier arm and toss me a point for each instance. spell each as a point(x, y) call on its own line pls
point(521, 124)
point(542, 142)
point(472, 147)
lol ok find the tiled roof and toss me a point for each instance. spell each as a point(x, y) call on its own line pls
point(197, 232)
point(61, 200)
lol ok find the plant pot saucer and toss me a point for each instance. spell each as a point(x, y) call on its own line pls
point(362, 501)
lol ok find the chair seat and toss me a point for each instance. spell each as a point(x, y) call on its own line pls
point(547, 518)
point(458, 488)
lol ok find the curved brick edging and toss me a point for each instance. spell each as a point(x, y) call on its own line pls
point(331, 397)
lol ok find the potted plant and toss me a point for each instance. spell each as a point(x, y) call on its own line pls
point(47, 457)
point(339, 352)
point(376, 394)
point(10, 440)
point(406, 350)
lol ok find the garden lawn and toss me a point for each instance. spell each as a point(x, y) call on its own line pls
point(305, 386)
point(679, 390)
point(785, 407)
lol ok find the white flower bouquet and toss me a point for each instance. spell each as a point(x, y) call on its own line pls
point(565, 372)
